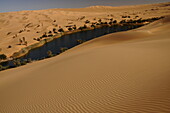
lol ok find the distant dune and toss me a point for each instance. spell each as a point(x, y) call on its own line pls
point(33, 24)
point(125, 72)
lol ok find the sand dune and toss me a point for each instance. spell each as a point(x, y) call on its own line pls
point(126, 72)
point(33, 24)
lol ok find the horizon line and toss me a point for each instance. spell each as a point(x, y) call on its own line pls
point(83, 7)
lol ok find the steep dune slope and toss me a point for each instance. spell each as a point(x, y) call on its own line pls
point(100, 76)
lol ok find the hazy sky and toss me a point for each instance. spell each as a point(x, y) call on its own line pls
point(17, 5)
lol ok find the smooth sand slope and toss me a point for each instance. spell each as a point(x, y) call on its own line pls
point(126, 72)
point(33, 24)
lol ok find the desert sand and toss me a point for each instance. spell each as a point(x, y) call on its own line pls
point(124, 72)
point(33, 24)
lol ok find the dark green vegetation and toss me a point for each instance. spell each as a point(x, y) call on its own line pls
point(50, 54)
point(80, 41)
point(63, 49)
point(3, 67)
point(3, 57)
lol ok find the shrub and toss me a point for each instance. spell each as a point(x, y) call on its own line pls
point(125, 16)
point(130, 21)
point(105, 22)
point(29, 60)
point(63, 49)
point(20, 41)
point(85, 26)
point(9, 46)
point(23, 38)
point(98, 24)
point(61, 30)
point(83, 17)
point(44, 35)
point(110, 23)
point(50, 35)
point(15, 54)
point(115, 21)
point(74, 27)
point(87, 21)
point(24, 62)
point(80, 28)
point(70, 29)
point(3, 57)
point(136, 16)
point(139, 20)
point(17, 62)
point(50, 32)
point(8, 33)
point(54, 30)
point(93, 25)
point(26, 43)
point(100, 20)
point(1, 67)
point(122, 21)
point(20, 31)
point(80, 41)
point(34, 39)
point(50, 54)
point(38, 39)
